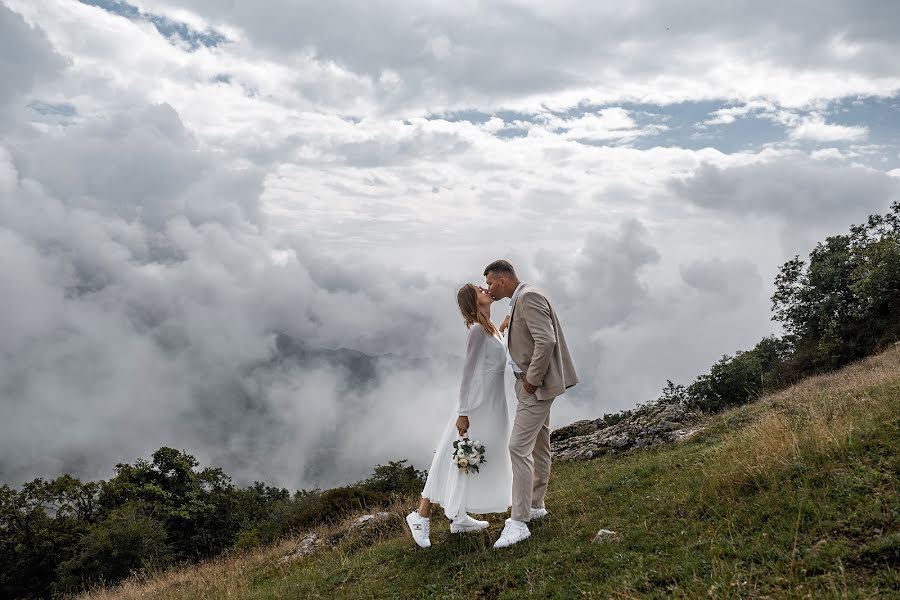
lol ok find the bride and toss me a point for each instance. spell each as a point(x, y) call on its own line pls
point(480, 414)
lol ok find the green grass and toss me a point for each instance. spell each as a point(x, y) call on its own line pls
point(823, 526)
point(795, 496)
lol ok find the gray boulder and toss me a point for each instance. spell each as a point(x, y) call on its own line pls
point(577, 429)
point(310, 544)
point(368, 528)
point(648, 425)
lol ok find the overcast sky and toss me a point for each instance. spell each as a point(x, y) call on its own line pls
point(201, 201)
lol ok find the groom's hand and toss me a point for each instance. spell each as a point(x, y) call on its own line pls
point(528, 387)
point(462, 425)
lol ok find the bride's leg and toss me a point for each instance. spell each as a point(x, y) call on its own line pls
point(425, 508)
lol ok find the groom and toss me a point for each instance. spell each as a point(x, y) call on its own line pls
point(543, 368)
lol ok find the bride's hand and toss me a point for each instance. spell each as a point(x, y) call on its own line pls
point(462, 425)
point(504, 324)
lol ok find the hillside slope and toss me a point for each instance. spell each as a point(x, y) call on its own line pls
point(795, 495)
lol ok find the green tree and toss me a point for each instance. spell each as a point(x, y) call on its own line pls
point(395, 478)
point(739, 379)
point(844, 304)
point(125, 541)
point(42, 525)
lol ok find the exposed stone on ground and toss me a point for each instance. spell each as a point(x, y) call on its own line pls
point(577, 429)
point(381, 520)
point(361, 531)
point(605, 535)
point(310, 544)
point(648, 425)
point(367, 528)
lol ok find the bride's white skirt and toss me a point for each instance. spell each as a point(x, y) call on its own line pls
point(489, 490)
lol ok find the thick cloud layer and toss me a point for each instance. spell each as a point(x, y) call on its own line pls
point(807, 199)
point(147, 308)
point(26, 57)
point(450, 54)
point(250, 249)
point(144, 304)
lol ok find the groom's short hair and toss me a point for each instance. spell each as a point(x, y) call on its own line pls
point(500, 267)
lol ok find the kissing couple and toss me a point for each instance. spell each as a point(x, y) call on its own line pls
point(518, 468)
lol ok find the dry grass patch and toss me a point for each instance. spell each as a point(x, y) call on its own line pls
point(233, 575)
point(804, 424)
point(873, 371)
point(223, 577)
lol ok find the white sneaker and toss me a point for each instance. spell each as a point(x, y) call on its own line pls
point(420, 528)
point(538, 513)
point(513, 533)
point(465, 523)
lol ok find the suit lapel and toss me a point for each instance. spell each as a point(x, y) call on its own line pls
point(512, 314)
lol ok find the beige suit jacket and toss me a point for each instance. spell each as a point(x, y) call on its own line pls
point(537, 345)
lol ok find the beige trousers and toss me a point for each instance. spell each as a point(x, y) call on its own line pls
point(529, 449)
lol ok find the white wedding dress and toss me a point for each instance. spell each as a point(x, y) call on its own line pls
point(482, 397)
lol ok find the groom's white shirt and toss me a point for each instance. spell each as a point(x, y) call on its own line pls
point(512, 302)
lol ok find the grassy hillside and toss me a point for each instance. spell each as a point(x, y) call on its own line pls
point(793, 496)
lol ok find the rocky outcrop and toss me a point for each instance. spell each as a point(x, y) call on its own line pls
point(578, 429)
point(310, 544)
point(357, 533)
point(367, 528)
point(646, 426)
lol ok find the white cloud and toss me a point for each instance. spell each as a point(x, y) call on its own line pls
point(808, 199)
point(197, 241)
point(614, 123)
point(814, 128)
point(440, 46)
point(731, 278)
point(149, 302)
point(726, 116)
point(26, 59)
point(827, 154)
point(532, 56)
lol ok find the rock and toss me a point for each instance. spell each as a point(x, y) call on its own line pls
point(360, 532)
point(310, 544)
point(648, 425)
point(578, 428)
point(367, 528)
point(669, 426)
point(683, 434)
point(377, 520)
point(605, 535)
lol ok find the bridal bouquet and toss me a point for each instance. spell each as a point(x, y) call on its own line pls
point(468, 455)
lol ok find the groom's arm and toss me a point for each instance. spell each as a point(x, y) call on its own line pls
point(540, 325)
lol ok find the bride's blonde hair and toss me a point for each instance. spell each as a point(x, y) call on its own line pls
point(467, 299)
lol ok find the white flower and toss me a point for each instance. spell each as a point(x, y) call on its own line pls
point(463, 463)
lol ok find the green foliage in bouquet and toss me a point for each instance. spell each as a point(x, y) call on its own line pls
point(468, 455)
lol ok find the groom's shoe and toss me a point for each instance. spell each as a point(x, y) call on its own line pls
point(513, 533)
point(466, 524)
point(538, 513)
point(420, 528)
